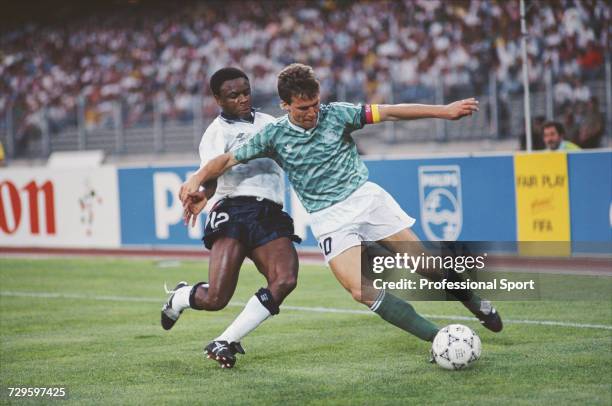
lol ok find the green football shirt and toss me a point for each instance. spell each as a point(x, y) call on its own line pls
point(322, 163)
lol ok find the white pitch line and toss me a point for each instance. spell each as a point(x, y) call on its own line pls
point(49, 295)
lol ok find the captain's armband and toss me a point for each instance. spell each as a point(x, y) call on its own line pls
point(370, 114)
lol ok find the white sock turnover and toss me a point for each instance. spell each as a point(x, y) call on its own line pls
point(253, 314)
point(180, 300)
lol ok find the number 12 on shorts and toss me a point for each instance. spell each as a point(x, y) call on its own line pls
point(216, 219)
point(326, 245)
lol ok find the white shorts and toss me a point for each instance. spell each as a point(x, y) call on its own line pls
point(368, 214)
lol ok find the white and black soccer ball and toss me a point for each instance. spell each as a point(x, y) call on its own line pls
point(456, 347)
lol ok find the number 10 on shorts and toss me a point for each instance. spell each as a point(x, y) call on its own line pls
point(326, 245)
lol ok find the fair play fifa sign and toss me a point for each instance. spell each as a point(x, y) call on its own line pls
point(440, 201)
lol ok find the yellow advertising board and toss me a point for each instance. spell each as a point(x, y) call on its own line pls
point(542, 198)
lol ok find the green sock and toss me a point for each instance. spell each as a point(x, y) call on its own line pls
point(462, 295)
point(402, 314)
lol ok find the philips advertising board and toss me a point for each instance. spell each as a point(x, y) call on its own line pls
point(466, 199)
point(151, 213)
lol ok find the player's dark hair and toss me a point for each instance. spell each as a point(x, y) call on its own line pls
point(297, 80)
point(223, 75)
point(557, 125)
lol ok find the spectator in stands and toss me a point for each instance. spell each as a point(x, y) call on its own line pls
point(582, 93)
point(536, 134)
point(570, 122)
point(591, 60)
point(135, 54)
point(553, 133)
point(592, 126)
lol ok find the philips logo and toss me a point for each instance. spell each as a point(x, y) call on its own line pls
point(440, 199)
point(439, 179)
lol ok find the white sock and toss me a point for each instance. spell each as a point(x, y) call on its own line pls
point(180, 300)
point(253, 314)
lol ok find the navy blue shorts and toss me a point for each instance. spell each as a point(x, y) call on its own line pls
point(252, 221)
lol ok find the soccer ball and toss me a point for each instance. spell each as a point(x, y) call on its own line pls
point(456, 346)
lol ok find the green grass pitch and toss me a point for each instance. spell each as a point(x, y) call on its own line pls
point(92, 326)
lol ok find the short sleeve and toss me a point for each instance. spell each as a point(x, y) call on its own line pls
point(258, 146)
point(211, 145)
point(355, 116)
point(351, 115)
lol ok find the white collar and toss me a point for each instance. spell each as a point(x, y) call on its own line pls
point(231, 119)
point(300, 129)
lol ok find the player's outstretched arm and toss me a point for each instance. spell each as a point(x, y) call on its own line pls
point(452, 111)
point(212, 170)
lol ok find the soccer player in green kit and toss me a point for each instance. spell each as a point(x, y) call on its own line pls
point(312, 144)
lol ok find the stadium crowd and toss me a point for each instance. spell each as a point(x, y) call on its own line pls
point(374, 50)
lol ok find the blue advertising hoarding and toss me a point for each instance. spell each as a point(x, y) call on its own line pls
point(474, 196)
point(463, 198)
point(590, 187)
point(151, 213)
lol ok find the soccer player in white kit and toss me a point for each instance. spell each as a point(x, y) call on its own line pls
point(312, 144)
point(247, 220)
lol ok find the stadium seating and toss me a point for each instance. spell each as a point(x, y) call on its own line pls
point(146, 68)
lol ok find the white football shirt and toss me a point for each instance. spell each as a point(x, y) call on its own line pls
point(260, 177)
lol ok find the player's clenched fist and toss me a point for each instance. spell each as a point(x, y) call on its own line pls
point(461, 108)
